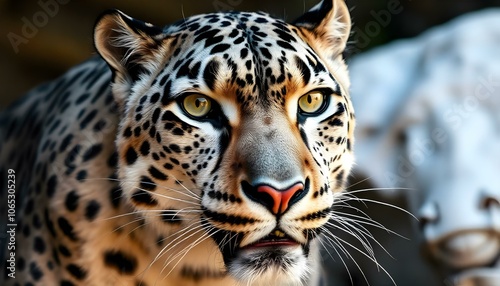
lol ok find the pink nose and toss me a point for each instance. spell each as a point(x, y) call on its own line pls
point(277, 201)
point(280, 199)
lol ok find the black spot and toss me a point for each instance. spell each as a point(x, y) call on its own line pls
point(82, 98)
point(37, 223)
point(137, 131)
point(51, 186)
point(99, 126)
point(88, 119)
point(249, 78)
point(178, 131)
point(54, 126)
point(261, 20)
point(154, 98)
point(113, 160)
point(142, 197)
point(21, 264)
point(156, 115)
point(265, 52)
point(336, 122)
point(194, 71)
point(286, 45)
point(243, 53)
point(66, 228)
point(165, 99)
point(210, 74)
point(26, 230)
point(72, 155)
point(115, 196)
point(175, 148)
point(304, 69)
point(340, 178)
point(28, 209)
point(130, 156)
point(234, 33)
point(92, 210)
point(227, 219)
point(209, 35)
point(169, 116)
point(146, 183)
point(157, 174)
point(65, 142)
point(64, 251)
point(71, 201)
point(170, 217)
point(175, 161)
point(144, 148)
point(121, 262)
point(35, 271)
point(76, 271)
point(92, 152)
point(66, 283)
point(39, 245)
point(152, 132)
point(82, 175)
point(248, 64)
point(219, 48)
point(49, 223)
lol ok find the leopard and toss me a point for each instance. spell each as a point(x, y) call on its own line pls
point(210, 151)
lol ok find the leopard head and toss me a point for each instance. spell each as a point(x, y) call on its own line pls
point(235, 135)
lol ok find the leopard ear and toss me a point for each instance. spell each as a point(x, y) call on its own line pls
point(327, 26)
point(129, 46)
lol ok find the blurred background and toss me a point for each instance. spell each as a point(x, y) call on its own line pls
point(41, 39)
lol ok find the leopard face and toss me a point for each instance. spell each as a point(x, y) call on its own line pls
point(235, 134)
point(207, 152)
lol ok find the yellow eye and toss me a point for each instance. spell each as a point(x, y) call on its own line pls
point(311, 102)
point(197, 105)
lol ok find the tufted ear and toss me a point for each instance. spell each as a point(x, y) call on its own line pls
point(328, 26)
point(129, 46)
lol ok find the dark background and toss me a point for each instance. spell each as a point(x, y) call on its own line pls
point(64, 38)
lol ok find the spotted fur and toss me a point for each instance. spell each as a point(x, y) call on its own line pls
point(118, 184)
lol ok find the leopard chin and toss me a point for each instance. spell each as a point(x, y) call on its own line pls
point(276, 259)
point(272, 265)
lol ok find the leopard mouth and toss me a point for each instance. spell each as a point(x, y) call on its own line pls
point(277, 238)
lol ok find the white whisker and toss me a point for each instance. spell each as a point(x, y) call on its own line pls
point(346, 252)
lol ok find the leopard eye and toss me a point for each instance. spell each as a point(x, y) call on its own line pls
point(197, 105)
point(311, 102)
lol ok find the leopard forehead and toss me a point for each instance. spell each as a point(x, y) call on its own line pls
point(246, 58)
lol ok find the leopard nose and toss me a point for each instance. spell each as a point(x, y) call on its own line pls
point(277, 201)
